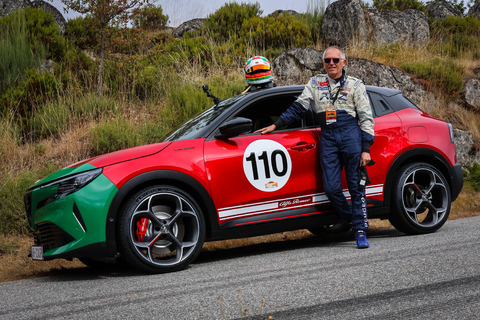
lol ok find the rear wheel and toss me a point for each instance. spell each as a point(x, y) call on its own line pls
point(161, 229)
point(421, 199)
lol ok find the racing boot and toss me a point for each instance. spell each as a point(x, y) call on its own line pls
point(361, 238)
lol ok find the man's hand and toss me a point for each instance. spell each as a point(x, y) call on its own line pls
point(365, 158)
point(267, 129)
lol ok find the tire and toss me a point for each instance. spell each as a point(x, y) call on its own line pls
point(161, 229)
point(421, 199)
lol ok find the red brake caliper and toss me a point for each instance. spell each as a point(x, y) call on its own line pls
point(142, 228)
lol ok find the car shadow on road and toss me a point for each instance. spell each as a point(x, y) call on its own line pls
point(280, 243)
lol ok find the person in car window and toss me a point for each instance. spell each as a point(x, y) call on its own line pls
point(345, 117)
point(258, 74)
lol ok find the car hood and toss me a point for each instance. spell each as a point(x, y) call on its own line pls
point(106, 160)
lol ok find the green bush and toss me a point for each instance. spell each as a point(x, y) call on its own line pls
point(93, 107)
point(119, 133)
point(37, 89)
point(12, 190)
point(149, 18)
point(82, 32)
point(458, 36)
point(399, 5)
point(226, 23)
point(282, 31)
point(472, 176)
point(16, 53)
point(444, 74)
point(50, 120)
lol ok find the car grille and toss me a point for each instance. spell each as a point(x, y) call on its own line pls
point(50, 236)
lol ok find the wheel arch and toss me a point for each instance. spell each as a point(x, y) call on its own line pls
point(167, 177)
point(426, 155)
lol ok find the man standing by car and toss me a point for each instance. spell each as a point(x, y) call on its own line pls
point(345, 117)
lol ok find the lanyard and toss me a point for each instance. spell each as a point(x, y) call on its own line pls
point(342, 83)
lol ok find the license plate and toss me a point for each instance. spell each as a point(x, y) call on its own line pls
point(36, 252)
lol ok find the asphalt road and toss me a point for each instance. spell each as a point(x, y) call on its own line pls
point(434, 276)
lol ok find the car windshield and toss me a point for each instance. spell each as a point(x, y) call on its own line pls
point(190, 129)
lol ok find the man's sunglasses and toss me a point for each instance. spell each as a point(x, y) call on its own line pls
point(328, 60)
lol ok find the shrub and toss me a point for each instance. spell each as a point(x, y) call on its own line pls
point(93, 107)
point(457, 36)
point(38, 88)
point(226, 22)
point(444, 74)
point(399, 5)
point(472, 176)
point(282, 31)
point(12, 190)
point(50, 120)
point(149, 18)
point(16, 54)
point(82, 32)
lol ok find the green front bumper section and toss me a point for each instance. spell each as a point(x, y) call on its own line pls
point(73, 223)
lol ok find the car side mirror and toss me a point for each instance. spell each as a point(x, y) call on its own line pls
point(234, 127)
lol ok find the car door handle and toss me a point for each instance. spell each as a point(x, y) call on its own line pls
point(301, 146)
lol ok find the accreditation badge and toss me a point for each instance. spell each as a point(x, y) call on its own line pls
point(331, 115)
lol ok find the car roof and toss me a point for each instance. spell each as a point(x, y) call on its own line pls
point(384, 91)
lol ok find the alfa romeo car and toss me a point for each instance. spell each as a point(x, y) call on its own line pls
point(214, 178)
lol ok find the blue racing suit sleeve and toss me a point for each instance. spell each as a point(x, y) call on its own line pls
point(294, 113)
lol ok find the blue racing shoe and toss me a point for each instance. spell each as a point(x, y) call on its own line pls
point(361, 238)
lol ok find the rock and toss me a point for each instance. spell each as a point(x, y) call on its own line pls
point(474, 10)
point(8, 6)
point(296, 66)
point(472, 93)
point(187, 26)
point(467, 150)
point(442, 9)
point(343, 22)
point(276, 13)
point(389, 26)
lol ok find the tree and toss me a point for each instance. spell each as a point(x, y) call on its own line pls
point(104, 12)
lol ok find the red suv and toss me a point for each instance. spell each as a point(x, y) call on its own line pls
point(155, 205)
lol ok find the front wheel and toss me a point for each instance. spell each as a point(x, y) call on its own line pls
point(161, 229)
point(421, 199)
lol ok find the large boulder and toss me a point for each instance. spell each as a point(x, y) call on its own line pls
point(187, 26)
point(467, 150)
point(344, 22)
point(8, 6)
point(389, 26)
point(472, 93)
point(442, 9)
point(474, 10)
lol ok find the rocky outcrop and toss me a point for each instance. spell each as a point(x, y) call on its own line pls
point(442, 9)
point(276, 13)
point(389, 26)
point(467, 150)
point(187, 26)
point(344, 22)
point(474, 10)
point(472, 93)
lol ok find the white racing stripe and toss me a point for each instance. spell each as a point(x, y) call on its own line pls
point(288, 203)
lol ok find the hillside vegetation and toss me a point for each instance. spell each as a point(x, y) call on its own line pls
point(152, 82)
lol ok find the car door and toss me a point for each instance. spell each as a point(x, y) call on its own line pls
point(255, 178)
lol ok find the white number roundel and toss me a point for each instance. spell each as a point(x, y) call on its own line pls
point(267, 165)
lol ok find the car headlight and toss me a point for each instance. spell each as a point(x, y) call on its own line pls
point(68, 185)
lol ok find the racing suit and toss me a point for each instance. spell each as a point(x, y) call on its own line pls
point(347, 131)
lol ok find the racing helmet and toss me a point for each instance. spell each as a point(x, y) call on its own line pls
point(258, 71)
